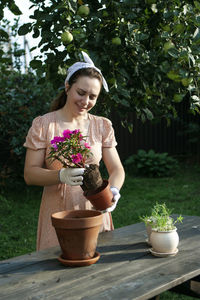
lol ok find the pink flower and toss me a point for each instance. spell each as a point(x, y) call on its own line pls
point(67, 134)
point(55, 147)
point(57, 139)
point(76, 158)
point(76, 131)
point(87, 145)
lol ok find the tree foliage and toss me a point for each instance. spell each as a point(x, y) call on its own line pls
point(147, 50)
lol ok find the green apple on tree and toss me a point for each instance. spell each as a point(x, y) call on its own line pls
point(168, 45)
point(116, 41)
point(66, 37)
point(83, 11)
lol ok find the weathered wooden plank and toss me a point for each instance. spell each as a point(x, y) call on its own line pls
point(41, 276)
point(23, 261)
point(129, 281)
point(142, 285)
point(74, 284)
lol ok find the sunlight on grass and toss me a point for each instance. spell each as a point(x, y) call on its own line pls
point(181, 193)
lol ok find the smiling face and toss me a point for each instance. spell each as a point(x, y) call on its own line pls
point(82, 95)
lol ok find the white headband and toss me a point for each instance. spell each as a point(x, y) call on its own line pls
point(87, 64)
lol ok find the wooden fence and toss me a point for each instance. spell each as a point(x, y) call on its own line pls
point(172, 139)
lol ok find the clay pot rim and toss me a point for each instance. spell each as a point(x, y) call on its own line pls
point(99, 190)
point(98, 213)
point(76, 222)
point(164, 231)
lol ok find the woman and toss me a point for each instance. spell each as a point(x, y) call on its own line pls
point(61, 186)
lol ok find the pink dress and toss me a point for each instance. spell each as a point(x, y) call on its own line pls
point(62, 196)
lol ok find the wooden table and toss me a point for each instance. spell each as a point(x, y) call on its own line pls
point(126, 270)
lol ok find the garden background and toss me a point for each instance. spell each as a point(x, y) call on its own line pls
point(148, 52)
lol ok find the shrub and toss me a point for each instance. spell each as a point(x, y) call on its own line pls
point(22, 99)
point(151, 164)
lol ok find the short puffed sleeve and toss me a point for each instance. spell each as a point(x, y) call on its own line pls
point(36, 137)
point(108, 135)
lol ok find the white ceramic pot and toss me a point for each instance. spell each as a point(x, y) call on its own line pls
point(164, 241)
point(148, 228)
point(149, 224)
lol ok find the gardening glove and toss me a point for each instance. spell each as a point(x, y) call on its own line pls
point(116, 196)
point(71, 176)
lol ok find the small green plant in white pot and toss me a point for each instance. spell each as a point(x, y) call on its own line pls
point(158, 212)
point(164, 237)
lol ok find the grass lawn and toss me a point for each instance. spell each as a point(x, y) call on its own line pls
point(19, 209)
point(18, 221)
point(181, 193)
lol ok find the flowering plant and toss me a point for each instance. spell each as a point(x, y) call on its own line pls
point(70, 149)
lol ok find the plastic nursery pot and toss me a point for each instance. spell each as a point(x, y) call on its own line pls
point(102, 198)
point(77, 232)
point(164, 241)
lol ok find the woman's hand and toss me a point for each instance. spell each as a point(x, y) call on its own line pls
point(116, 197)
point(71, 176)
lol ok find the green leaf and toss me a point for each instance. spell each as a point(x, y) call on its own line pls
point(124, 93)
point(173, 52)
point(130, 128)
point(15, 9)
point(191, 57)
point(179, 28)
point(35, 64)
point(165, 66)
point(25, 28)
point(197, 4)
point(36, 33)
point(33, 48)
point(196, 36)
point(149, 114)
point(173, 76)
point(132, 27)
point(178, 97)
point(123, 72)
point(125, 103)
point(3, 34)
point(142, 36)
point(46, 34)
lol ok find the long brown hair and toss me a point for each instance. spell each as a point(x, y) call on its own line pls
point(61, 99)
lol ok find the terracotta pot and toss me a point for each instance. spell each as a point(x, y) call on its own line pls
point(102, 197)
point(77, 232)
point(164, 241)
